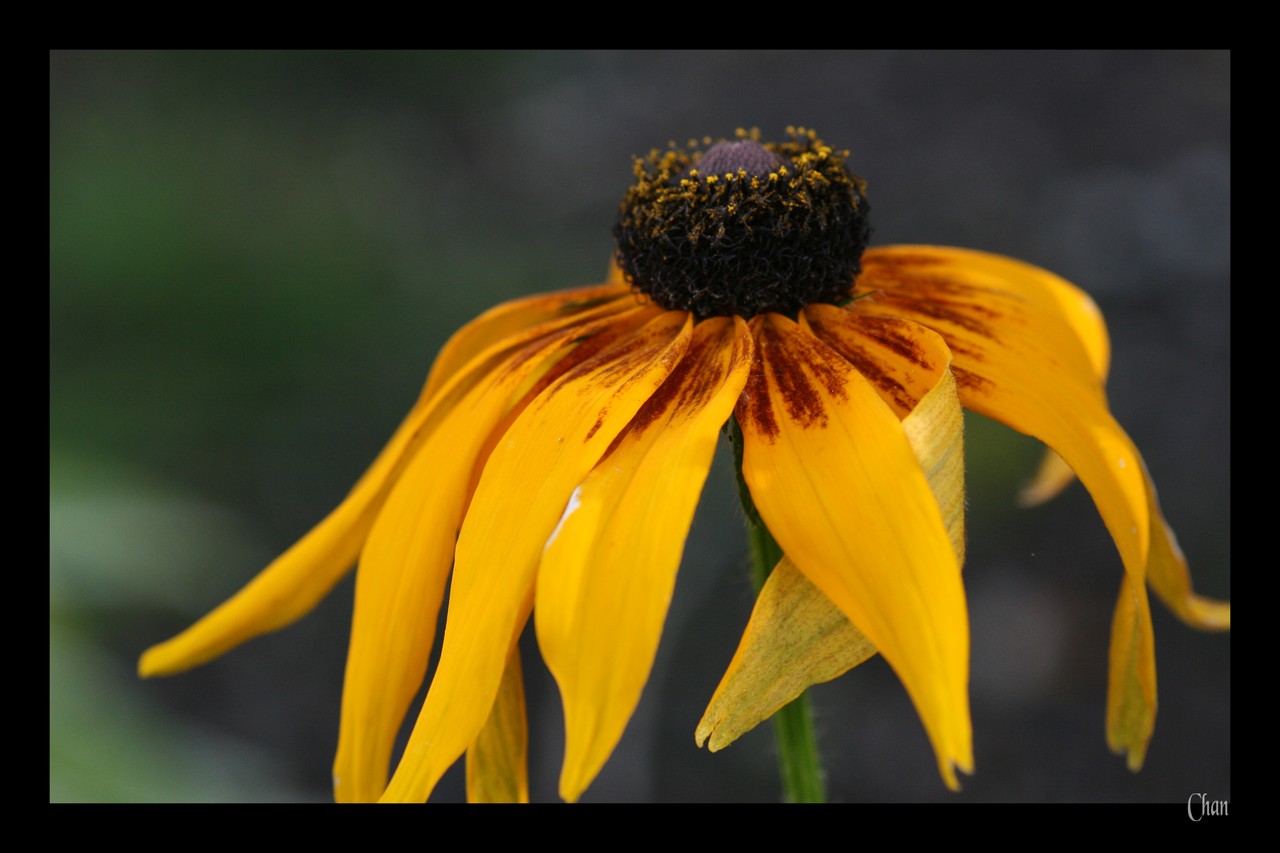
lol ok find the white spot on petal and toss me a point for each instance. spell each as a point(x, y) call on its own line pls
point(1121, 462)
point(575, 500)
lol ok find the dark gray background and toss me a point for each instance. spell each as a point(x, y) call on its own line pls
point(254, 257)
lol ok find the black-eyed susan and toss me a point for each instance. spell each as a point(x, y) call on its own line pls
point(553, 461)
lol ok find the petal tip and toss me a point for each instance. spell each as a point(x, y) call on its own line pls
point(1134, 753)
point(712, 735)
point(1131, 741)
point(574, 781)
point(701, 734)
point(948, 767)
point(719, 740)
point(1208, 614)
point(153, 663)
point(172, 657)
point(577, 774)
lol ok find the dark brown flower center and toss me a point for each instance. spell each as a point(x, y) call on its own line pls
point(743, 227)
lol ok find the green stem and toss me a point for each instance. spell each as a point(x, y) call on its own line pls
point(793, 724)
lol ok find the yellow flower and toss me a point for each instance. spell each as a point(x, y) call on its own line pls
point(554, 459)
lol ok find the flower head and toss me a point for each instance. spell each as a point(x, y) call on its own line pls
point(553, 461)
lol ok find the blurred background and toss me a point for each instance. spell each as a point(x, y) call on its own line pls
point(254, 258)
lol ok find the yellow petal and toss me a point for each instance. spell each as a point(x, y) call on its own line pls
point(1044, 293)
point(298, 579)
point(1166, 568)
point(1025, 355)
point(836, 481)
point(796, 636)
point(521, 495)
point(1131, 681)
point(909, 365)
point(502, 321)
point(1020, 357)
point(608, 571)
point(497, 763)
point(1131, 685)
point(1082, 314)
point(406, 560)
point(1077, 309)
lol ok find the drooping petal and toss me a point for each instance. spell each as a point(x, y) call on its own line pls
point(1021, 358)
point(1167, 573)
point(294, 582)
point(406, 560)
point(1166, 568)
point(1131, 682)
point(1131, 678)
point(497, 763)
point(522, 493)
point(608, 571)
point(507, 319)
point(837, 482)
point(288, 588)
point(796, 636)
point(300, 577)
point(1082, 314)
